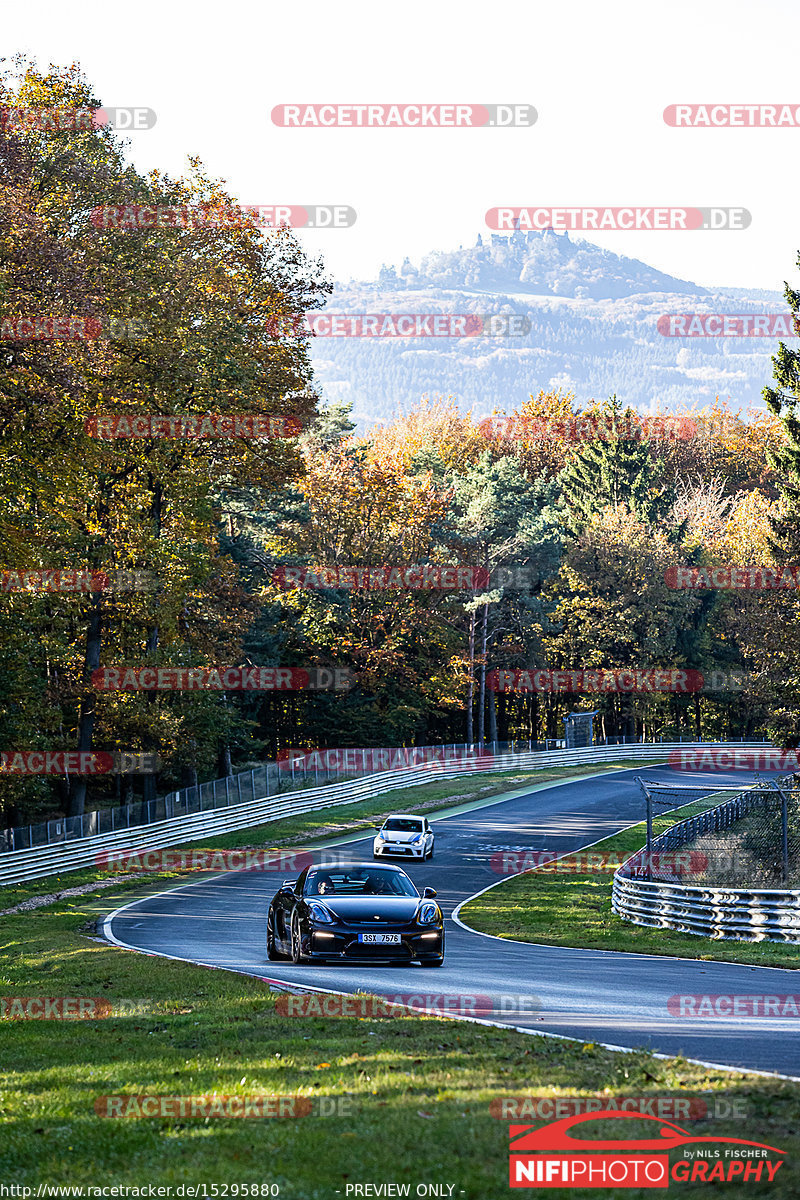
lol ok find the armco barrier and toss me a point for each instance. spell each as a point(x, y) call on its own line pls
point(267, 779)
point(707, 910)
point(20, 865)
point(731, 914)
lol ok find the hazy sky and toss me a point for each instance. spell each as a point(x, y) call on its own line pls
point(599, 75)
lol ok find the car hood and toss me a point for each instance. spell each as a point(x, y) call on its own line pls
point(396, 835)
point(367, 908)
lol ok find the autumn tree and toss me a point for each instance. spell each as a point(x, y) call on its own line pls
point(614, 608)
point(203, 293)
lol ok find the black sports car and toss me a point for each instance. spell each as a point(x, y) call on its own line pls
point(357, 911)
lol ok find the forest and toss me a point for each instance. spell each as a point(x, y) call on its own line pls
point(552, 541)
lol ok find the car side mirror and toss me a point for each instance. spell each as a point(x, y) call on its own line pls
point(429, 893)
point(288, 885)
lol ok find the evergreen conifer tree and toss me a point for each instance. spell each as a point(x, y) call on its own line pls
point(615, 469)
point(782, 400)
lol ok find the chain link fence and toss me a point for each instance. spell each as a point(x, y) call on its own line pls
point(267, 779)
point(750, 840)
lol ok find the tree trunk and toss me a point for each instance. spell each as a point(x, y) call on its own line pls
point(77, 791)
point(148, 742)
point(471, 691)
point(503, 705)
point(482, 698)
point(225, 767)
point(149, 781)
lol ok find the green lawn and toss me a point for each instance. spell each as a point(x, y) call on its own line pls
point(419, 1089)
point(570, 908)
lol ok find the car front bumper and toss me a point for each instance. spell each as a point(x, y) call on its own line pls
point(417, 945)
point(399, 849)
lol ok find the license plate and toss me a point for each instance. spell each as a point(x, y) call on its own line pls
point(379, 939)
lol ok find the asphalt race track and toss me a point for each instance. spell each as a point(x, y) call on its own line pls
point(599, 996)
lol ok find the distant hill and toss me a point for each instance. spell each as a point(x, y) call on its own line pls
point(593, 330)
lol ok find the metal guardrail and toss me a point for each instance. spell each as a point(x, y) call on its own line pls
point(731, 915)
point(707, 910)
point(267, 779)
point(21, 865)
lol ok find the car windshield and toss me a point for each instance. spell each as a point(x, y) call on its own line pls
point(403, 825)
point(358, 881)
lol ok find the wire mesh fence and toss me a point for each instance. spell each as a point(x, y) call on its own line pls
point(749, 840)
point(267, 779)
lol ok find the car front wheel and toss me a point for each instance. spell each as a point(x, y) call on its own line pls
point(297, 956)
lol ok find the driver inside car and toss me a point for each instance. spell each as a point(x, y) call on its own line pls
point(375, 886)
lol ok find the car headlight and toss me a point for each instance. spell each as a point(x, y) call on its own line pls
point(428, 913)
point(379, 836)
point(320, 913)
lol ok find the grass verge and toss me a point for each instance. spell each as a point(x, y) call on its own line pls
point(311, 827)
point(563, 907)
point(418, 1089)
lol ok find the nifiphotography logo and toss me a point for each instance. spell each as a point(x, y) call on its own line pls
point(552, 1157)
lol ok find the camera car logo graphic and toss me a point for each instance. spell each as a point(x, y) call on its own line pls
point(550, 1157)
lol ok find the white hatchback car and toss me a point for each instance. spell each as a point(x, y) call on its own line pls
point(404, 835)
